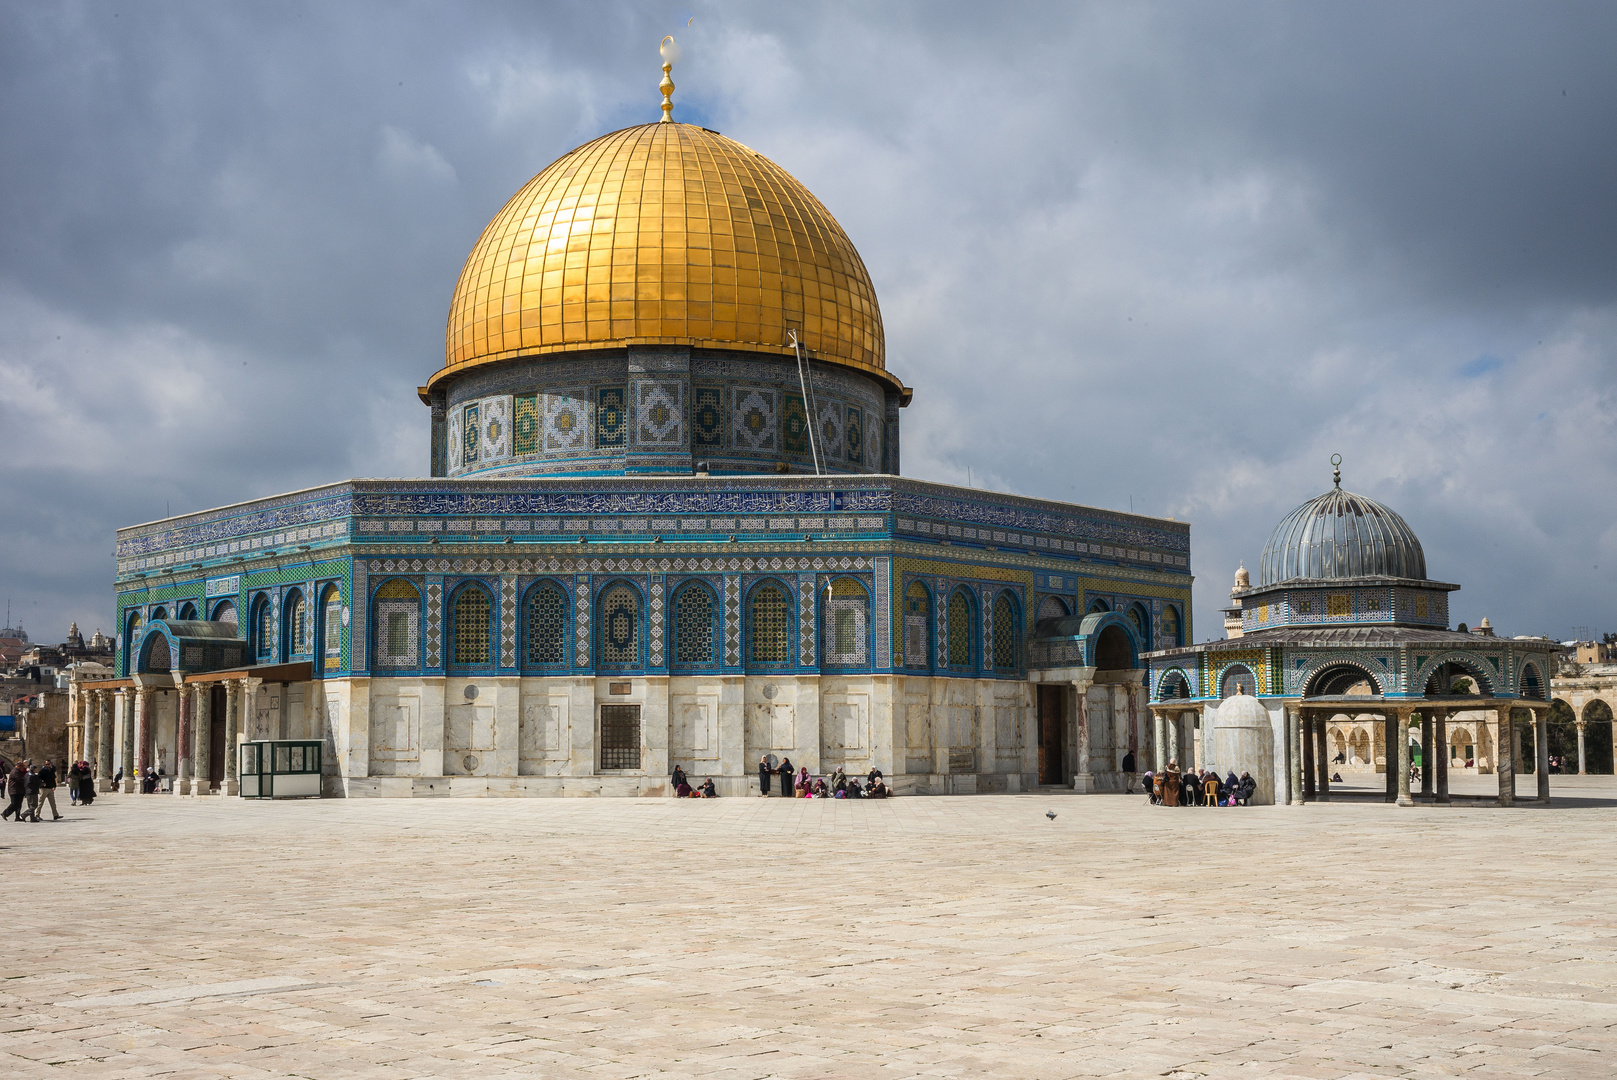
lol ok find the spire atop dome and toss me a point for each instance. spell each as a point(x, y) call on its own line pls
point(670, 53)
point(1336, 464)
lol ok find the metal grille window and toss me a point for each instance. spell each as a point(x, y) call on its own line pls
point(1004, 633)
point(620, 736)
point(770, 629)
point(225, 612)
point(264, 628)
point(693, 626)
point(297, 634)
point(620, 627)
point(1237, 679)
point(471, 626)
point(959, 631)
point(1170, 627)
point(547, 625)
point(333, 621)
point(847, 618)
point(1138, 620)
point(917, 617)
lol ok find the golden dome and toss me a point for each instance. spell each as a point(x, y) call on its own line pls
point(664, 234)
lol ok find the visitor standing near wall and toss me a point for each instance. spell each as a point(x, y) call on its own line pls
point(764, 773)
point(785, 774)
point(1128, 773)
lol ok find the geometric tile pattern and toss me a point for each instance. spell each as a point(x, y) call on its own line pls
point(884, 612)
point(435, 622)
point(610, 416)
point(847, 625)
point(525, 425)
point(656, 622)
point(707, 417)
point(854, 436)
point(830, 431)
point(659, 414)
point(732, 620)
point(496, 421)
point(752, 420)
point(581, 623)
point(567, 421)
point(471, 436)
point(917, 616)
point(805, 608)
point(794, 425)
point(456, 449)
point(508, 622)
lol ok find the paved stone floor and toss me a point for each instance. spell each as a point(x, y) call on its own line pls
point(932, 937)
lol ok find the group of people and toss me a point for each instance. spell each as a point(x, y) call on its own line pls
point(1170, 787)
point(799, 784)
point(683, 789)
point(29, 788)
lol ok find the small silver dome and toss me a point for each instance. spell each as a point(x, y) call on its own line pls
point(1341, 535)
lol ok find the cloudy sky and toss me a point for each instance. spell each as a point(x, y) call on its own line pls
point(1162, 256)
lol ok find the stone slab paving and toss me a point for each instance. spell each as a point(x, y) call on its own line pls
point(750, 938)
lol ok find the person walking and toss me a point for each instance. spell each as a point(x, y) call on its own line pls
point(86, 784)
point(764, 774)
point(32, 788)
point(16, 790)
point(785, 774)
point(73, 784)
point(47, 791)
point(1128, 773)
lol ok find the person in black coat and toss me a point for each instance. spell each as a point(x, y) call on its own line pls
point(764, 772)
point(785, 772)
point(1128, 773)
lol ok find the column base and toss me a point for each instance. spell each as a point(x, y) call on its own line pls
point(129, 786)
point(228, 788)
point(103, 785)
point(1084, 783)
point(1405, 800)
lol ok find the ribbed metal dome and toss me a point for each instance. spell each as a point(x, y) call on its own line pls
point(1341, 535)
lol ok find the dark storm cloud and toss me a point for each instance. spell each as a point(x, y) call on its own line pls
point(1175, 253)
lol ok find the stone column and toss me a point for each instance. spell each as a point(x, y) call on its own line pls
point(1322, 765)
point(1082, 780)
point(127, 699)
point(1306, 752)
point(182, 739)
point(1394, 753)
point(1426, 763)
point(1516, 754)
point(1440, 735)
point(201, 726)
point(1502, 751)
point(1541, 744)
point(233, 707)
point(1159, 748)
point(103, 762)
point(90, 717)
point(1170, 747)
point(1294, 756)
point(1582, 767)
point(1405, 761)
point(143, 734)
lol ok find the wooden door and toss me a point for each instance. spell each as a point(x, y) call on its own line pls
point(1050, 732)
point(216, 736)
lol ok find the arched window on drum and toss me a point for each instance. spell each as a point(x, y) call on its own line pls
point(1141, 621)
point(396, 635)
point(769, 626)
point(545, 618)
point(263, 625)
point(1007, 633)
point(962, 614)
point(224, 612)
point(917, 627)
point(473, 628)
point(695, 627)
point(296, 626)
point(618, 631)
point(845, 632)
point(1170, 628)
point(331, 627)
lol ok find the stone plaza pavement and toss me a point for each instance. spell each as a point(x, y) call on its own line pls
point(930, 937)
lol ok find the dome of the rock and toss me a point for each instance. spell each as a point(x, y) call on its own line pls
point(663, 234)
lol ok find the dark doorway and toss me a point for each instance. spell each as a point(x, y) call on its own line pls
point(216, 737)
point(1051, 749)
point(1597, 738)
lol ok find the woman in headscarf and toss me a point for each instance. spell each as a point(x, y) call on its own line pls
point(1170, 784)
point(1232, 787)
point(803, 788)
point(785, 774)
point(73, 784)
point(86, 784)
point(764, 774)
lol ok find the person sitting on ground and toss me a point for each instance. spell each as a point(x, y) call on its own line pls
point(877, 789)
point(821, 791)
point(872, 777)
point(853, 791)
point(1336, 778)
point(708, 790)
point(1246, 788)
point(1232, 785)
point(838, 778)
point(682, 790)
point(803, 787)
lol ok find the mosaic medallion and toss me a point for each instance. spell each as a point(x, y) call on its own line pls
point(610, 416)
point(525, 425)
point(753, 419)
point(794, 425)
point(707, 416)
